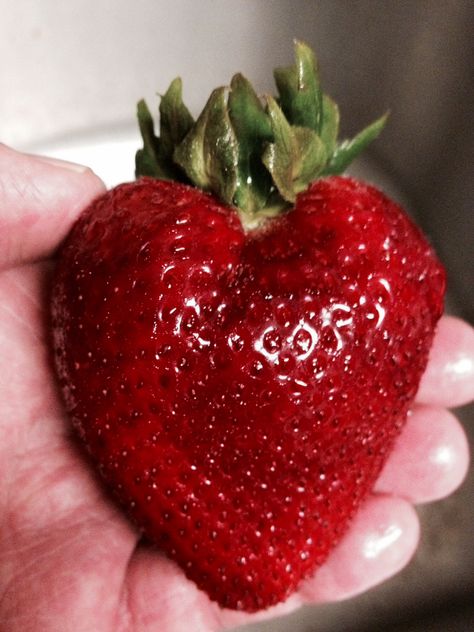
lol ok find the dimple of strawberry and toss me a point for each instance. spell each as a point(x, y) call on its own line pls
point(239, 360)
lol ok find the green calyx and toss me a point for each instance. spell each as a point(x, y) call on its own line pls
point(254, 154)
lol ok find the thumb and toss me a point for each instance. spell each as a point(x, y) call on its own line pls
point(39, 200)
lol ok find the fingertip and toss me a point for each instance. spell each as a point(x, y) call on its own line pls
point(449, 377)
point(73, 167)
point(40, 198)
point(381, 541)
point(430, 459)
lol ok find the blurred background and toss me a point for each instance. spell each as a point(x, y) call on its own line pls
point(71, 73)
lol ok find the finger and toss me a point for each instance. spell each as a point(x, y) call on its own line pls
point(39, 201)
point(449, 377)
point(156, 589)
point(381, 541)
point(430, 459)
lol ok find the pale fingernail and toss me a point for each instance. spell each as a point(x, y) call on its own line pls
point(62, 164)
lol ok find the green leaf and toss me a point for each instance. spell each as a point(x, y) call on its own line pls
point(300, 91)
point(279, 156)
point(257, 157)
point(252, 129)
point(311, 157)
point(155, 159)
point(175, 119)
point(296, 156)
point(349, 149)
point(208, 154)
point(330, 125)
point(146, 159)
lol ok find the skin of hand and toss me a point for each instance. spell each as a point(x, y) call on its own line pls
point(69, 560)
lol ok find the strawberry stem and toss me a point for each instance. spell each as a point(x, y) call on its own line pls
point(254, 154)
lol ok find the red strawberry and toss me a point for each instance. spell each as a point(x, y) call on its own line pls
point(240, 389)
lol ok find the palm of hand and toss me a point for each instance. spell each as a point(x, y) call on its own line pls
point(68, 558)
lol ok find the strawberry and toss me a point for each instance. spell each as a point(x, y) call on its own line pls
point(239, 360)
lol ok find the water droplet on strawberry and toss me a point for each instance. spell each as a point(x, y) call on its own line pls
point(256, 368)
point(183, 218)
point(236, 342)
point(330, 339)
point(303, 341)
point(271, 342)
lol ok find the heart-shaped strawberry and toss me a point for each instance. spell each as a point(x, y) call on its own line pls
point(239, 376)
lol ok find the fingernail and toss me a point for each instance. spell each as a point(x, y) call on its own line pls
point(62, 164)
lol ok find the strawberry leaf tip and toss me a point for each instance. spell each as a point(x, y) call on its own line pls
point(254, 154)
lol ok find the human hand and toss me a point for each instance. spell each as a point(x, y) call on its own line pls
point(69, 559)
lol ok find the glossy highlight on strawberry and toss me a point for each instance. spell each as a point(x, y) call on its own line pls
point(239, 390)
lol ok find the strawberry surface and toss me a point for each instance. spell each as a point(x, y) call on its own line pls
point(239, 391)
